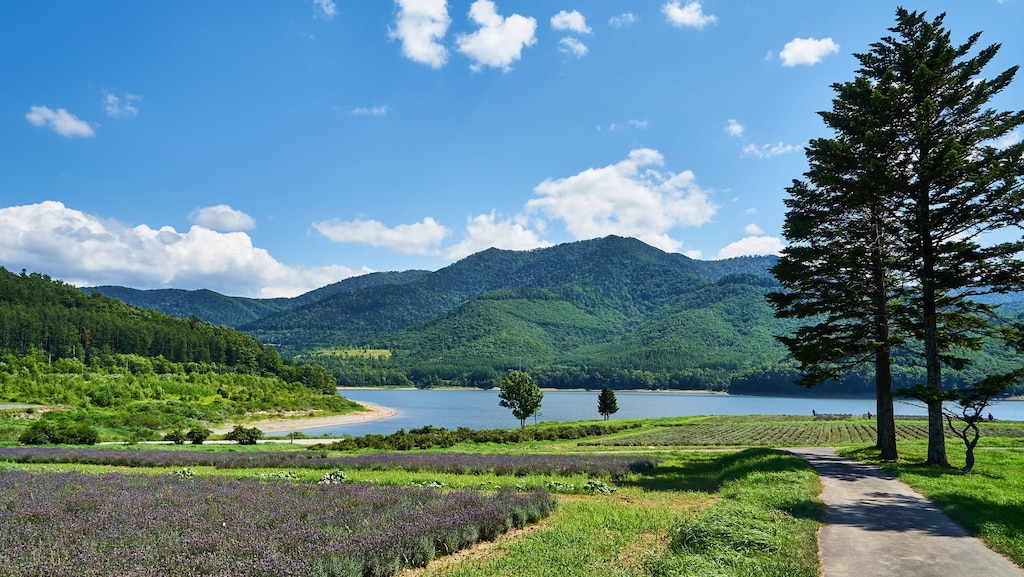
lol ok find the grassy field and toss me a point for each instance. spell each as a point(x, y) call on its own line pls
point(723, 509)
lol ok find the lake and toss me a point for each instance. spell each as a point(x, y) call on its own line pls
point(479, 409)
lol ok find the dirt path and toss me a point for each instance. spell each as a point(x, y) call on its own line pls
point(877, 525)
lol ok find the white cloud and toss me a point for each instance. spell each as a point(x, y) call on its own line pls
point(809, 51)
point(221, 217)
point(85, 250)
point(770, 150)
point(62, 122)
point(692, 15)
point(1007, 140)
point(418, 238)
point(625, 19)
point(325, 9)
point(753, 229)
point(628, 198)
point(117, 107)
point(572, 47)
point(752, 246)
point(629, 124)
point(420, 25)
point(486, 231)
point(371, 110)
point(500, 41)
point(734, 128)
point(572, 21)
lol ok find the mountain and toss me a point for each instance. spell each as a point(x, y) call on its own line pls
point(232, 312)
point(609, 274)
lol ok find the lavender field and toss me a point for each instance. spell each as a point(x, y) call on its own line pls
point(77, 524)
point(612, 466)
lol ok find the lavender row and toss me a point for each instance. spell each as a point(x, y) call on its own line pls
point(615, 466)
point(76, 524)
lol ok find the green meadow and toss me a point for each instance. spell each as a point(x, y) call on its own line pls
point(715, 504)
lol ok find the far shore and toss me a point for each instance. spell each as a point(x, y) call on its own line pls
point(372, 413)
point(545, 389)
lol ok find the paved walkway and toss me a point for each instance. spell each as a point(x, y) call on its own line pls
point(877, 525)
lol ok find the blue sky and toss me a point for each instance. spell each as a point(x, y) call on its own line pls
point(262, 148)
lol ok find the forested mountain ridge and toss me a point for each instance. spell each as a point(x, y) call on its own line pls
point(232, 311)
point(623, 273)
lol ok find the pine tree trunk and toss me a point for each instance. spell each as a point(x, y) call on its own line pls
point(933, 363)
point(885, 417)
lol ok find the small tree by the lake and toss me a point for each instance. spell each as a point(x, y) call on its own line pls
point(607, 405)
point(520, 393)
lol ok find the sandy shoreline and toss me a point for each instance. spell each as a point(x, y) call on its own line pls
point(373, 413)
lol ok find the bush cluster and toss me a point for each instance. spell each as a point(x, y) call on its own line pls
point(59, 432)
point(430, 437)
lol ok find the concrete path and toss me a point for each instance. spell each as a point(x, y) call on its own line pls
point(877, 525)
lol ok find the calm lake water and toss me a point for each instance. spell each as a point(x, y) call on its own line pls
point(477, 409)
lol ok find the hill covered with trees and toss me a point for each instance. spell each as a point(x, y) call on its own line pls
point(134, 372)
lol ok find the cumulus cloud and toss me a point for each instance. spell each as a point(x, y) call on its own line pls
point(625, 19)
point(420, 25)
point(488, 231)
point(752, 246)
point(60, 121)
point(691, 16)
point(418, 238)
point(734, 128)
point(499, 41)
point(628, 198)
point(371, 110)
point(571, 21)
point(85, 250)
point(753, 229)
point(572, 47)
point(808, 51)
point(325, 9)
point(770, 150)
point(221, 217)
point(116, 106)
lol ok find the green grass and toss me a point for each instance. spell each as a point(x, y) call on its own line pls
point(633, 530)
point(733, 512)
point(989, 502)
point(637, 530)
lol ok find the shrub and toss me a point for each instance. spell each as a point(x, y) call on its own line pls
point(177, 437)
point(244, 435)
point(197, 435)
point(43, 432)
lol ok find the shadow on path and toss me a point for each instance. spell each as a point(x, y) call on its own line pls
point(877, 525)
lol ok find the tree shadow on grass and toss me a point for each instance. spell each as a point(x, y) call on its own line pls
point(771, 488)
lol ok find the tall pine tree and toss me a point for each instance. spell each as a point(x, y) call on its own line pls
point(891, 240)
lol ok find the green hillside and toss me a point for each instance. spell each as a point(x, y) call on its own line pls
point(621, 273)
point(134, 373)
